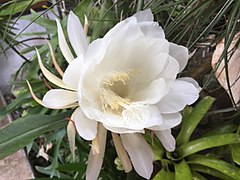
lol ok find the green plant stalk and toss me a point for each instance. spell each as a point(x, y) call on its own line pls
point(182, 171)
point(206, 143)
point(140, 4)
point(216, 164)
point(191, 121)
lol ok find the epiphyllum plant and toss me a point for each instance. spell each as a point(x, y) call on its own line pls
point(124, 82)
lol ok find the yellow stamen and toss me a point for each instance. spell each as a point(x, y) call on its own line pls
point(109, 99)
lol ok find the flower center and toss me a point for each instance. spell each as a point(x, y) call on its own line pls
point(113, 95)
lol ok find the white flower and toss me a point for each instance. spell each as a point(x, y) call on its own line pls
point(125, 82)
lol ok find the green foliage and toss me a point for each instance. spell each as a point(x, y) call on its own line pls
point(191, 119)
point(28, 128)
point(188, 163)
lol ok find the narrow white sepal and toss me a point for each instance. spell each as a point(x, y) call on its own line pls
point(85, 25)
point(57, 67)
point(76, 34)
point(71, 133)
point(95, 160)
point(51, 77)
point(63, 44)
point(122, 154)
point(39, 101)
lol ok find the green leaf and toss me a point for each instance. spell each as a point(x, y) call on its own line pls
point(217, 164)
point(49, 24)
point(164, 174)
point(20, 100)
point(47, 171)
point(205, 143)
point(104, 14)
point(16, 7)
point(182, 171)
point(196, 176)
point(83, 8)
point(235, 150)
point(191, 121)
point(228, 128)
point(210, 171)
point(24, 130)
point(71, 167)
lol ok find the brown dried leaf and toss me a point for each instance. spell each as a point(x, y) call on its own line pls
point(233, 68)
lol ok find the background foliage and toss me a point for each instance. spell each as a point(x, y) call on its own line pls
point(208, 142)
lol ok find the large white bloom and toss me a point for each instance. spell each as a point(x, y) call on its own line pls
point(125, 82)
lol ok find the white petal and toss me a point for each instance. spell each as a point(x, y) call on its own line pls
point(167, 140)
point(122, 130)
point(129, 24)
point(72, 73)
point(151, 94)
point(180, 53)
point(145, 15)
point(152, 29)
point(76, 34)
point(39, 101)
point(192, 81)
point(86, 128)
point(155, 118)
point(57, 98)
point(146, 56)
point(95, 160)
point(94, 110)
point(170, 70)
point(148, 116)
point(63, 44)
point(89, 84)
point(181, 93)
point(71, 133)
point(169, 121)
point(140, 153)
point(51, 77)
